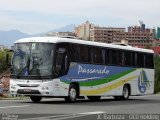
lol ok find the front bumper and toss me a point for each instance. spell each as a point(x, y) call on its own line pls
point(40, 88)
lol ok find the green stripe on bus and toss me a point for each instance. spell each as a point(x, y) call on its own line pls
point(104, 80)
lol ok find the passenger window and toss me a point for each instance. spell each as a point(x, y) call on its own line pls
point(115, 57)
point(128, 58)
point(74, 52)
point(140, 60)
point(84, 54)
point(149, 61)
point(97, 56)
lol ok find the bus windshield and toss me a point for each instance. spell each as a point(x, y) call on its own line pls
point(32, 60)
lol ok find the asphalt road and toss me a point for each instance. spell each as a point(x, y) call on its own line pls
point(58, 109)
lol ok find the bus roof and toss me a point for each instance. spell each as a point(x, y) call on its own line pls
point(83, 42)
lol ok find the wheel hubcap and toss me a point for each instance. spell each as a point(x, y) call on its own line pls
point(125, 92)
point(72, 93)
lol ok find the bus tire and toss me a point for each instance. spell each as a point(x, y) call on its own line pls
point(126, 92)
point(36, 99)
point(94, 98)
point(73, 93)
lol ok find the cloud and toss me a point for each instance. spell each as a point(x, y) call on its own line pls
point(72, 7)
point(54, 13)
point(27, 24)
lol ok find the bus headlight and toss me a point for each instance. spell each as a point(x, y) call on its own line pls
point(13, 87)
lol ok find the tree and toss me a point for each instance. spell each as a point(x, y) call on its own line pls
point(157, 73)
point(2, 61)
point(3, 65)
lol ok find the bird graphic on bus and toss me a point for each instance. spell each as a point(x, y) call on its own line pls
point(143, 82)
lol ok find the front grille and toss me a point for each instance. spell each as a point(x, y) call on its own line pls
point(28, 91)
point(28, 85)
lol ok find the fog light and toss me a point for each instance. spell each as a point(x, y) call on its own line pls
point(47, 93)
point(45, 88)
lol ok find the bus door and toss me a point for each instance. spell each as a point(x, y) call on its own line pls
point(62, 62)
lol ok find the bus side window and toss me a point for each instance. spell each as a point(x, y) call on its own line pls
point(97, 55)
point(149, 61)
point(103, 56)
point(73, 52)
point(128, 58)
point(120, 58)
point(123, 58)
point(84, 54)
point(133, 59)
point(140, 60)
point(109, 56)
point(92, 55)
point(114, 57)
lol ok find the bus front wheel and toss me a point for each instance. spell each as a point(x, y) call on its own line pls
point(35, 99)
point(72, 95)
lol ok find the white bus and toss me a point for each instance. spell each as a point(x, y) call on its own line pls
point(71, 68)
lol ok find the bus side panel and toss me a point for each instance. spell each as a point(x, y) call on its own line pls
point(145, 82)
point(109, 80)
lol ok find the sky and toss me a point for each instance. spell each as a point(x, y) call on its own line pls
point(38, 16)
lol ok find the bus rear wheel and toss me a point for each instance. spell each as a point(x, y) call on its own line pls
point(126, 92)
point(36, 99)
point(94, 98)
point(72, 95)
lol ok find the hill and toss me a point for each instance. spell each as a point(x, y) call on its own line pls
point(7, 38)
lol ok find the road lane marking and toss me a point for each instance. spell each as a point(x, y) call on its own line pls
point(92, 113)
point(81, 115)
point(63, 117)
point(41, 118)
point(73, 116)
point(15, 106)
point(57, 117)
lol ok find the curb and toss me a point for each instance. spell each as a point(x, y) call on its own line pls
point(13, 98)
